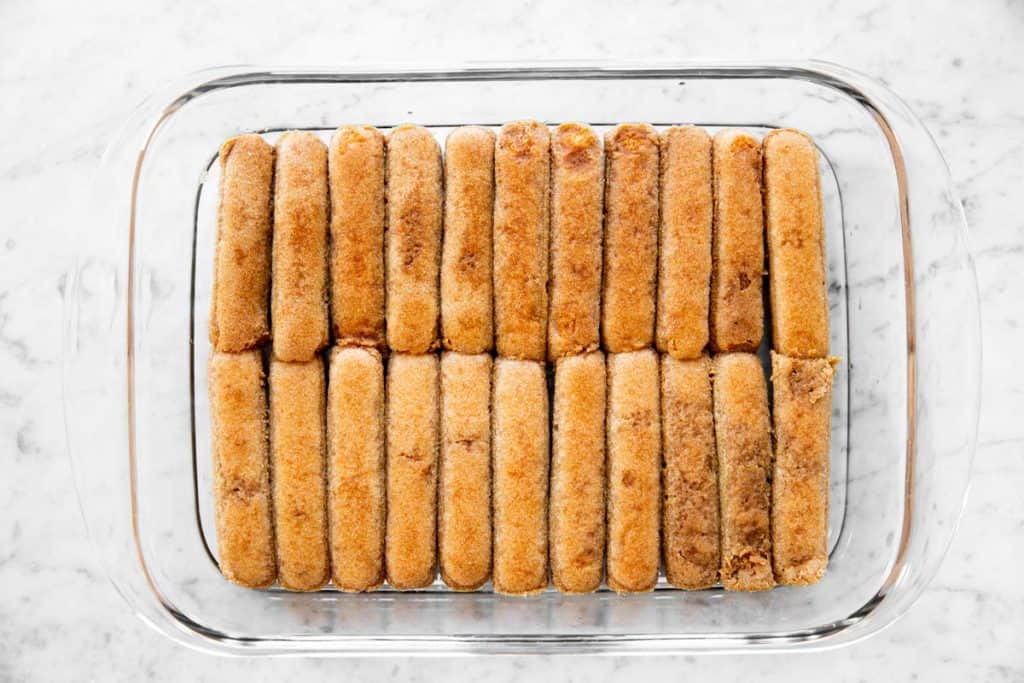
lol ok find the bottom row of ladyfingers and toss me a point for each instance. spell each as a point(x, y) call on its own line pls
point(654, 464)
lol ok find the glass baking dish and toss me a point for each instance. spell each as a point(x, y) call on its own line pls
point(904, 315)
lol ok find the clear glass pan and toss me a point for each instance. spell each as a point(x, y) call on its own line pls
point(904, 315)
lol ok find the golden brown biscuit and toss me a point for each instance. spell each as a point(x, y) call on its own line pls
point(241, 274)
point(297, 460)
point(630, 237)
point(576, 516)
point(690, 532)
point(634, 471)
point(520, 467)
point(802, 412)
point(299, 286)
point(684, 256)
point(464, 489)
point(413, 239)
point(241, 473)
point(744, 471)
point(796, 245)
point(577, 186)
point(737, 315)
point(412, 435)
point(521, 179)
point(467, 324)
point(355, 468)
point(356, 162)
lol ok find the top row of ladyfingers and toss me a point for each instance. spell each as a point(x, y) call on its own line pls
point(537, 243)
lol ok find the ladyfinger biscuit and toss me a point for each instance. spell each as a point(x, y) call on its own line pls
point(577, 185)
point(413, 239)
point(464, 490)
point(299, 287)
point(241, 274)
point(521, 179)
point(297, 460)
point(634, 471)
point(737, 315)
point(802, 411)
point(630, 237)
point(241, 475)
point(355, 468)
point(690, 542)
point(796, 245)
point(356, 162)
point(412, 416)
point(684, 256)
point(467, 324)
point(520, 466)
point(744, 449)
point(576, 516)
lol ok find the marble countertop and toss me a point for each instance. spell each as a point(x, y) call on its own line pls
point(72, 71)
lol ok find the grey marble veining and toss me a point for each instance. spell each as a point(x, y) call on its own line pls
point(70, 74)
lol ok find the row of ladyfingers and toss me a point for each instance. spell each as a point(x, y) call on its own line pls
point(552, 244)
point(446, 463)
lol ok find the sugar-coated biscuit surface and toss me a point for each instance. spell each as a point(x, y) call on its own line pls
point(630, 237)
point(690, 528)
point(355, 468)
point(634, 471)
point(414, 211)
point(521, 212)
point(241, 471)
point(467, 320)
point(743, 438)
point(240, 301)
point(684, 249)
point(356, 162)
point(298, 473)
point(412, 450)
point(577, 189)
point(464, 487)
point(802, 410)
point(796, 245)
point(520, 465)
point(299, 282)
point(737, 311)
point(577, 507)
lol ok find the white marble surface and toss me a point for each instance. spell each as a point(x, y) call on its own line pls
point(70, 72)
